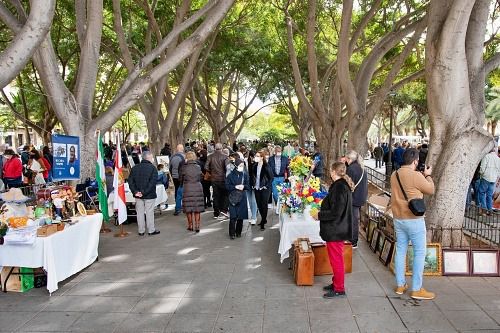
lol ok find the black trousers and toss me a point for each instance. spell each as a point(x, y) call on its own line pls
point(355, 224)
point(262, 198)
point(177, 184)
point(206, 191)
point(221, 199)
point(235, 227)
point(378, 162)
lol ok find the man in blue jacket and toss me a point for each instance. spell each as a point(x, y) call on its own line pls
point(279, 165)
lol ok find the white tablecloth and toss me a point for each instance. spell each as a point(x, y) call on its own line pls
point(161, 196)
point(296, 226)
point(61, 254)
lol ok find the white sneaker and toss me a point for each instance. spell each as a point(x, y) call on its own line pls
point(269, 205)
point(252, 221)
point(224, 214)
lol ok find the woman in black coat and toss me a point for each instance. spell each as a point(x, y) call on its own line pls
point(261, 179)
point(237, 180)
point(335, 225)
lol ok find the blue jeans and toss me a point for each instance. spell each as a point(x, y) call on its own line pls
point(410, 230)
point(486, 190)
point(277, 181)
point(178, 199)
point(252, 204)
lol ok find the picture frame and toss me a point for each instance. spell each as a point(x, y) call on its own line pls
point(456, 262)
point(484, 262)
point(374, 241)
point(386, 252)
point(432, 266)
point(163, 159)
point(380, 242)
point(372, 225)
point(392, 265)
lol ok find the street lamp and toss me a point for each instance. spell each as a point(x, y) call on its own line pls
point(388, 165)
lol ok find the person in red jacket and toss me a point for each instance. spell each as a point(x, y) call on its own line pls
point(46, 166)
point(12, 169)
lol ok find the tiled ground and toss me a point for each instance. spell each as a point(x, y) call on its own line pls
point(182, 282)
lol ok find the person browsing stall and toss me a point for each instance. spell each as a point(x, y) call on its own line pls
point(142, 183)
point(279, 166)
point(335, 225)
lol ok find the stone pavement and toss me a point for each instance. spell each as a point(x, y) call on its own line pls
point(179, 281)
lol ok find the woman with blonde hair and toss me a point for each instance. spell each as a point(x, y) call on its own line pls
point(335, 218)
point(193, 200)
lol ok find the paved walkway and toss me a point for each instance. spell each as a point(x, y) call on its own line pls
point(183, 282)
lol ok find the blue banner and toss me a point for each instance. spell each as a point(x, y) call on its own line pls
point(66, 151)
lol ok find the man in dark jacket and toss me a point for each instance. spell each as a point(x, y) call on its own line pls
point(216, 166)
point(279, 165)
point(176, 163)
point(360, 192)
point(378, 154)
point(142, 184)
point(165, 151)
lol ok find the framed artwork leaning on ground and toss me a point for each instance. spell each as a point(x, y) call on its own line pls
point(484, 262)
point(432, 265)
point(387, 251)
point(372, 225)
point(374, 240)
point(456, 262)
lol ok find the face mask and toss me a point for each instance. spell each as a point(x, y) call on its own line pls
point(257, 159)
point(241, 168)
point(278, 154)
point(267, 158)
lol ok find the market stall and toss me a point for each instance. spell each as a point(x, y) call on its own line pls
point(161, 196)
point(61, 254)
point(300, 197)
point(296, 226)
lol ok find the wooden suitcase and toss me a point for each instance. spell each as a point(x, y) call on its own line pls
point(322, 262)
point(303, 271)
point(347, 257)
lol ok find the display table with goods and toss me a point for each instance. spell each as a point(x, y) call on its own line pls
point(300, 198)
point(161, 196)
point(38, 237)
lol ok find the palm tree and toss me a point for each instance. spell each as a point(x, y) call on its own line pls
point(492, 110)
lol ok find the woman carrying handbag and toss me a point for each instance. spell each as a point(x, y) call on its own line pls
point(236, 184)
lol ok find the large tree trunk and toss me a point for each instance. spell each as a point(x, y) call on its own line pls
point(458, 140)
point(27, 37)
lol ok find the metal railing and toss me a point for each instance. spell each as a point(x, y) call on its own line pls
point(379, 180)
point(478, 230)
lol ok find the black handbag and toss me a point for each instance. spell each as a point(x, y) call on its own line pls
point(236, 195)
point(417, 206)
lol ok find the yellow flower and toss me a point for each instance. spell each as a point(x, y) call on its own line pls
point(310, 198)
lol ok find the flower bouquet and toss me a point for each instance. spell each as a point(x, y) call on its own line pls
point(300, 166)
point(299, 195)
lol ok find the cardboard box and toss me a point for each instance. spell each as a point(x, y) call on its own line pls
point(17, 283)
point(46, 230)
point(380, 201)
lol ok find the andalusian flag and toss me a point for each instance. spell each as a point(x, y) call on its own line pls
point(118, 184)
point(100, 177)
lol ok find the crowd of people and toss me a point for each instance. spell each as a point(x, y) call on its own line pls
point(240, 182)
point(31, 166)
point(484, 188)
